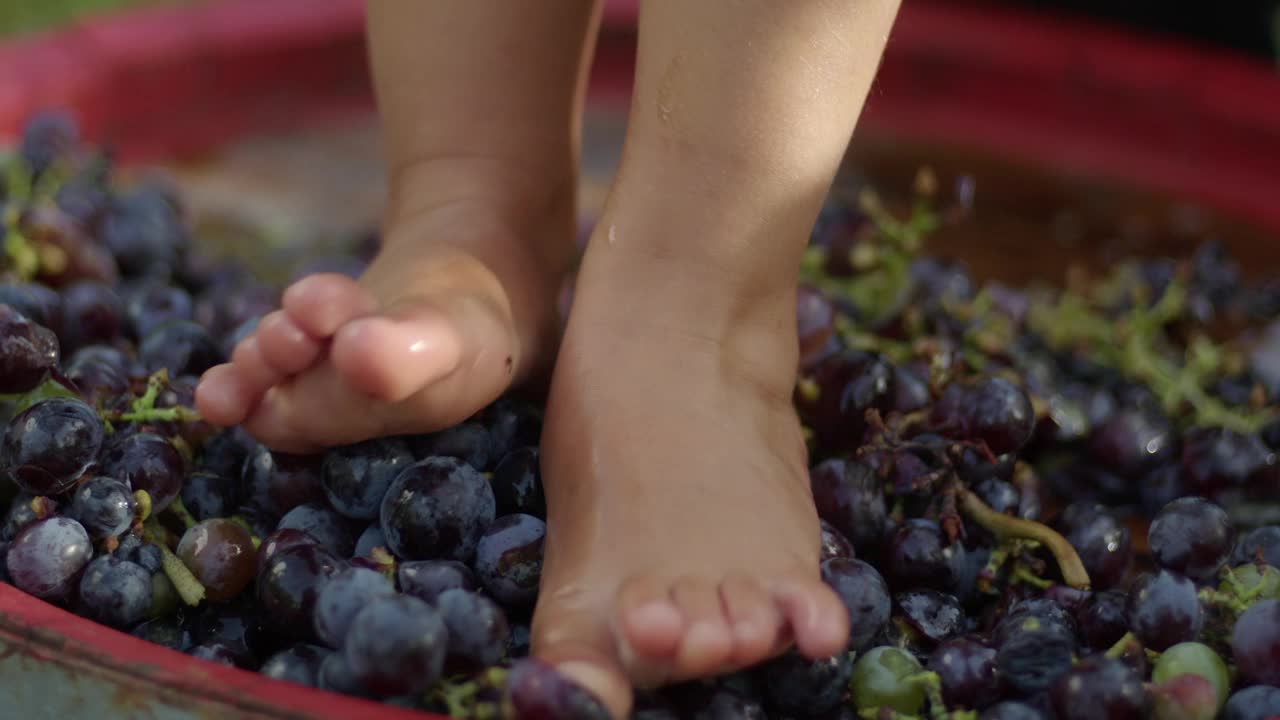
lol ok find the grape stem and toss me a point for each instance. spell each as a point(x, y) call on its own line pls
point(1124, 646)
point(188, 586)
point(239, 520)
point(932, 686)
point(180, 511)
point(1007, 526)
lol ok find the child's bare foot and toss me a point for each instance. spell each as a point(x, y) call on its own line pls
point(457, 306)
point(682, 537)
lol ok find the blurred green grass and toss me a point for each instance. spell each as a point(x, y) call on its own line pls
point(19, 17)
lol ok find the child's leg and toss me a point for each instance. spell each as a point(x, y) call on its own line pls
point(481, 104)
point(682, 535)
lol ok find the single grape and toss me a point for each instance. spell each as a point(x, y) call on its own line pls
point(336, 676)
point(225, 453)
point(221, 555)
point(47, 557)
point(849, 496)
point(1046, 611)
point(990, 409)
point(1185, 697)
point(180, 346)
point(920, 557)
point(289, 585)
point(848, 384)
point(834, 544)
point(1103, 619)
point(1101, 540)
point(147, 555)
point(512, 423)
point(1196, 659)
point(371, 538)
point(19, 516)
point(356, 477)
point(967, 669)
point(517, 484)
point(999, 495)
point(1032, 655)
point(1258, 544)
point(1159, 487)
point(508, 559)
point(468, 441)
point(344, 595)
point(115, 592)
point(1217, 459)
point(92, 314)
point(280, 540)
point(1099, 688)
point(147, 462)
point(864, 594)
point(935, 615)
point(536, 690)
point(210, 495)
point(154, 304)
point(28, 351)
point(1012, 710)
point(437, 509)
point(299, 664)
point(48, 446)
point(795, 684)
point(1164, 610)
point(910, 389)
point(880, 681)
point(103, 505)
point(143, 231)
point(235, 626)
point(333, 531)
point(1192, 536)
point(427, 579)
point(1255, 642)
point(1132, 441)
point(1260, 702)
point(477, 630)
point(276, 483)
point(396, 645)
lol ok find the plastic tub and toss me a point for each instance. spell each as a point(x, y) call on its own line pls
point(1022, 96)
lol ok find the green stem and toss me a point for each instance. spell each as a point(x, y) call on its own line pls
point(189, 588)
point(1123, 646)
point(239, 520)
point(1025, 575)
point(1007, 526)
point(180, 511)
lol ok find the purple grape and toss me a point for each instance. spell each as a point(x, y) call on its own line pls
point(849, 496)
point(1101, 540)
point(210, 495)
point(469, 442)
point(276, 483)
point(1033, 655)
point(47, 137)
point(299, 664)
point(991, 409)
point(967, 670)
point(396, 646)
point(1192, 536)
point(342, 597)
point(427, 579)
point(19, 516)
point(517, 484)
point(1102, 619)
point(103, 505)
point(796, 684)
point(477, 630)
point(919, 557)
point(864, 594)
point(39, 304)
point(28, 351)
point(115, 592)
point(51, 444)
point(180, 346)
point(1099, 689)
point(154, 304)
point(334, 532)
point(1164, 610)
point(508, 559)
point(147, 462)
point(537, 692)
point(834, 544)
point(512, 424)
point(1131, 442)
point(1255, 643)
point(1260, 702)
point(47, 557)
point(290, 584)
point(934, 615)
point(849, 383)
point(143, 231)
point(356, 477)
point(1259, 544)
point(437, 509)
point(279, 541)
point(371, 538)
point(92, 314)
point(1215, 459)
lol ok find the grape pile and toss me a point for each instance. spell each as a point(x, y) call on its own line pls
point(1034, 503)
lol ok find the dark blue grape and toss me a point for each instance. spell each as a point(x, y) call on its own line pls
point(356, 477)
point(331, 530)
point(1012, 710)
point(990, 409)
point(235, 626)
point(215, 653)
point(165, 631)
point(437, 509)
point(209, 495)
point(512, 424)
point(20, 515)
point(1216, 459)
point(289, 584)
point(966, 668)
point(103, 505)
point(795, 684)
point(47, 557)
point(920, 557)
point(1099, 688)
point(1260, 702)
point(180, 346)
point(1132, 441)
point(40, 304)
point(509, 559)
point(224, 454)
point(849, 496)
point(864, 594)
point(477, 630)
point(427, 579)
point(92, 314)
point(154, 304)
point(299, 664)
point(147, 462)
point(469, 442)
point(143, 231)
point(1032, 655)
point(1102, 619)
point(834, 543)
point(1255, 643)
point(115, 592)
point(517, 484)
point(48, 137)
point(344, 595)
point(1192, 536)
point(519, 641)
point(1164, 610)
point(48, 446)
point(371, 538)
point(28, 351)
point(396, 646)
point(537, 692)
point(279, 541)
point(1258, 544)
point(276, 483)
point(1101, 540)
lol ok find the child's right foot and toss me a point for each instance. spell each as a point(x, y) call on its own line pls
point(456, 307)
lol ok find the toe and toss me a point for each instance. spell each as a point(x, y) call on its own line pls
point(253, 366)
point(322, 303)
point(393, 357)
point(708, 640)
point(754, 620)
point(816, 617)
point(273, 422)
point(223, 397)
point(579, 646)
point(285, 346)
point(650, 622)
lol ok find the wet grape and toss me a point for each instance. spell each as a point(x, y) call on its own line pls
point(517, 484)
point(935, 615)
point(289, 584)
point(991, 409)
point(834, 543)
point(221, 555)
point(920, 557)
point(848, 495)
point(536, 690)
point(437, 509)
point(508, 559)
point(46, 558)
point(147, 462)
point(1101, 540)
point(356, 477)
point(1192, 536)
point(28, 351)
point(103, 505)
point(48, 446)
point(1103, 619)
point(333, 531)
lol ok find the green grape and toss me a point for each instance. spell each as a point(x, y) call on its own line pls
point(1260, 585)
point(883, 678)
point(1197, 659)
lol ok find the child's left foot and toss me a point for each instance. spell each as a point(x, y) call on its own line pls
point(682, 538)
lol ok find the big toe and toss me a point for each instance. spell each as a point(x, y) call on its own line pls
point(320, 304)
point(392, 357)
point(582, 650)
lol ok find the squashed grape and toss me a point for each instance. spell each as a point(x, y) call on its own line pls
point(509, 559)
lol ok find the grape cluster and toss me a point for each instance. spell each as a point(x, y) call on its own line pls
point(1030, 501)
